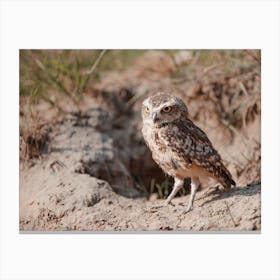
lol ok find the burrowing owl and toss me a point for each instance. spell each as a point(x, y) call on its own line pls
point(179, 147)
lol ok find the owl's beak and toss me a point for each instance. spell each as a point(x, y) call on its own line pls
point(154, 117)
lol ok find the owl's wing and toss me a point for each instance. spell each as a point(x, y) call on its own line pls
point(192, 145)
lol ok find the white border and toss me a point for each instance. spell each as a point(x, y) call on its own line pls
point(154, 24)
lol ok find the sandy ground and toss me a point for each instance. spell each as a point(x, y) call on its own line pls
point(82, 172)
point(65, 201)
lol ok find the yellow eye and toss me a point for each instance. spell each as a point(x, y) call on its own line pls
point(167, 109)
point(147, 110)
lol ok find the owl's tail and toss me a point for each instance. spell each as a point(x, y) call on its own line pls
point(226, 178)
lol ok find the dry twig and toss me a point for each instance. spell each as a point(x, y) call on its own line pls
point(235, 224)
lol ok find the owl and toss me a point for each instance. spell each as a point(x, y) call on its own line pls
point(179, 147)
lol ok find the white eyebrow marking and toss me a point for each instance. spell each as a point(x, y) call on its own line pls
point(145, 102)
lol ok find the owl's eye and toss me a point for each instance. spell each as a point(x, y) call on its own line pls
point(167, 109)
point(147, 110)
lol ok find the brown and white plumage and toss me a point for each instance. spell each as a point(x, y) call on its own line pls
point(178, 146)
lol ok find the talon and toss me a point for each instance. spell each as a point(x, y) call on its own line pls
point(189, 209)
point(168, 202)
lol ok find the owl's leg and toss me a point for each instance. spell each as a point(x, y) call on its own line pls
point(194, 186)
point(178, 184)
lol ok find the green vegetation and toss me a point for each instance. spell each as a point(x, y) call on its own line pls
point(162, 189)
point(51, 74)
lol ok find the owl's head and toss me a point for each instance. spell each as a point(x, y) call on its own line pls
point(163, 108)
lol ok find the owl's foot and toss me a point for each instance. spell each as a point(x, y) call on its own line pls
point(168, 202)
point(189, 209)
point(162, 205)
